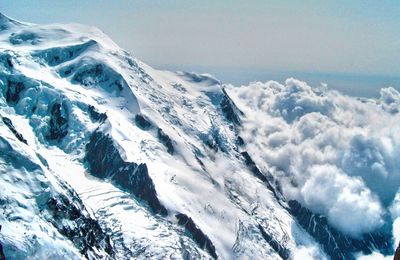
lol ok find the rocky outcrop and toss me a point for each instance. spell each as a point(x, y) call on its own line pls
point(397, 253)
point(336, 244)
point(165, 140)
point(281, 250)
point(196, 234)
point(2, 257)
point(256, 171)
point(142, 122)
point(95, 115)
point(231, 112)
point(239, 141)
point(84, 232)
point(14, 88)
point(105, 162)
point(10, 126)
point(58, 124)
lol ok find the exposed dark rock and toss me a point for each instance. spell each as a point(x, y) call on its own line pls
point(10, 126)
point(254, 169)
point(95, 115)
point(14, 88)
point(84, 232)
point(282, 251)
point(166, 140)
point(196, 234)
point(58, 125)
point(200, 162)
point(397, 253)
point(105, 162)
point(9, 63)
point(2, 256)
point(230, 110)
point(239, 141)
point(336, 244)
point(142, 122)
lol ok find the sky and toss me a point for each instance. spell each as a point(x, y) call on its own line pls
point(352, 45)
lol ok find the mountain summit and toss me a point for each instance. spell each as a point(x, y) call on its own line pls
point(104, 157)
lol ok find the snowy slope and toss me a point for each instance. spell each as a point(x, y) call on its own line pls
point(154, 160)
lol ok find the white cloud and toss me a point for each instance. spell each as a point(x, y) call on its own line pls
point(374, 256)
point(330, 191)
point(308, 253)
point(390, 99)
point(336, 154)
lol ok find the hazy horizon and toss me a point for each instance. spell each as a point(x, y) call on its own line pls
point(351, 46)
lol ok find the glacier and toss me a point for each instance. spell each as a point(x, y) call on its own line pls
point(105, 157)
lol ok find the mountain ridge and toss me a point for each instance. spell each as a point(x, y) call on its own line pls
point(145, 154)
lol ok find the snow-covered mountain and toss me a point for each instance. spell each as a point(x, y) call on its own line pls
point(104, 157)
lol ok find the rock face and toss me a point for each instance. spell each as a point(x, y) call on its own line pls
point(257, 173)
point(142, 122)
point(2, 257)
point(105, 162)
point(197, 235)
point(337, 245)
point(10, 126)
point(58, 125)
point(281, 250)
point(230, 110)
point(397, 253)
point(71, 221)
point(95, 115)
point(73, 191)
point(14, 88)
point(165, 140)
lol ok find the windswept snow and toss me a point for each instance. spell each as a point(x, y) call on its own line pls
point(188, 142)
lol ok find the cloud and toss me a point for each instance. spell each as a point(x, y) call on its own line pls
point(336, 154)
point(311, 252)
point(390, 99)
point(330, 191)
point(374, 256)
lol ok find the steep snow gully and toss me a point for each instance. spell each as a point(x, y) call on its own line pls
point(104, 157)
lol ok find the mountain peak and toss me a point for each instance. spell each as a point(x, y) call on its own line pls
point(105, 147)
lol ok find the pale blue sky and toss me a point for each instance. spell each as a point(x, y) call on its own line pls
point(233, 39)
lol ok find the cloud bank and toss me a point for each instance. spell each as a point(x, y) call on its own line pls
point(337, 155)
